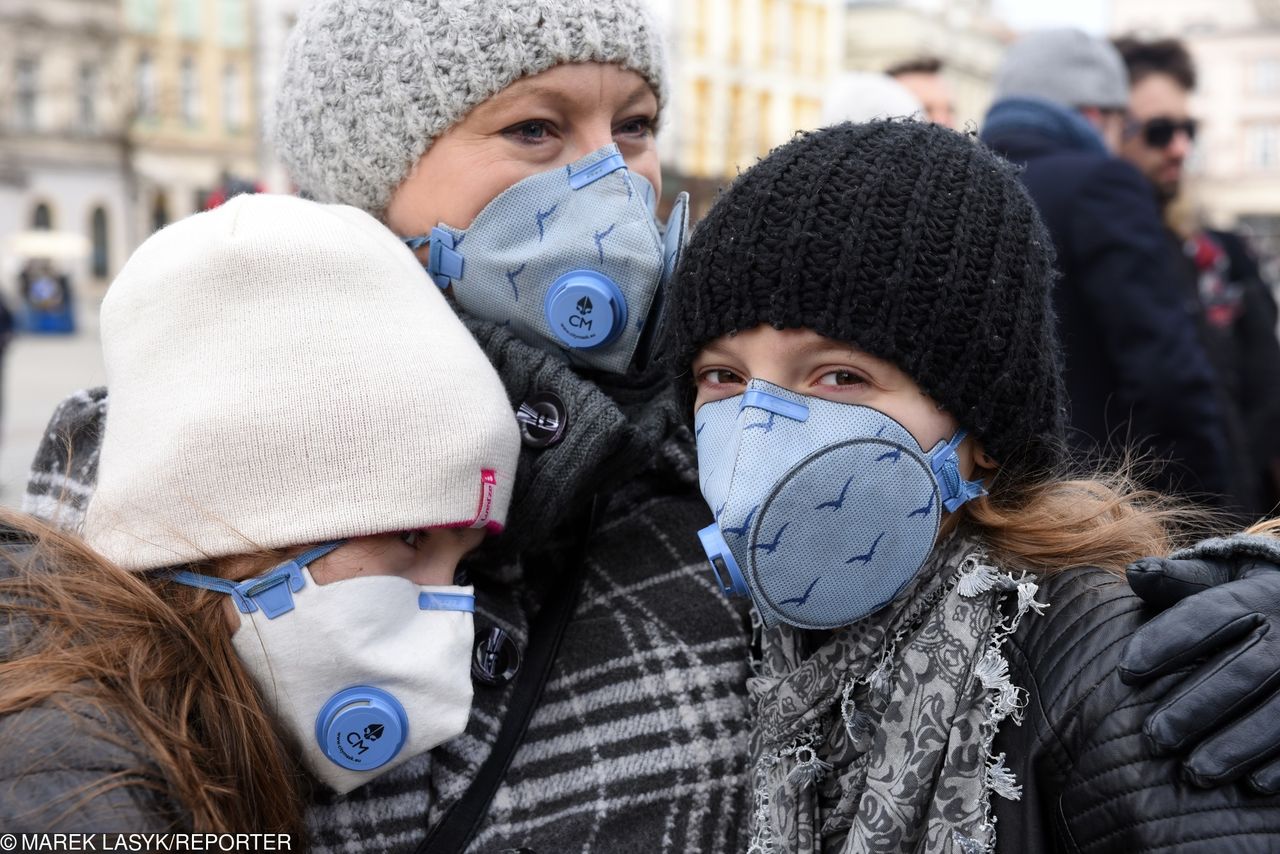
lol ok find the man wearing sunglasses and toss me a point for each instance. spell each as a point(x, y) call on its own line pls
point(1135, 370)
point(1216, 273)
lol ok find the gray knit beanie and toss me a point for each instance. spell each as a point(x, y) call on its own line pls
point(367, 85)
point(1068, 67)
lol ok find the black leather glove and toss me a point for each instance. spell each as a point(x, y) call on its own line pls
point(1225, 613)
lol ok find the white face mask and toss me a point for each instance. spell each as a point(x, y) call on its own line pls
point(364, 673)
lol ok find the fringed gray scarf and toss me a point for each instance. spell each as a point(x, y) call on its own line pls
point(880, 740)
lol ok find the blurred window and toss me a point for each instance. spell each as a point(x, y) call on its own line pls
point(1266, 76)
point(232, 117)
point(189, 18)
point(764, 118)
point(145, 86)
point(190, 89)
point(141, 15)
point(768, 17)
point(98, 232)
point(26, 72)
point(42, 217)
point(1264, 146)
point(702, 109)
point(233, 23)
point(87, 95)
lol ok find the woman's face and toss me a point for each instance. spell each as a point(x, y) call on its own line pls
point(808, 363)
point(536, 124)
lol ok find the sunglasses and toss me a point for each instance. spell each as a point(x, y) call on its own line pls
point(1159, 132)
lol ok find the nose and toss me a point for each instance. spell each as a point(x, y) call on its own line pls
point(593, 135)
point(1180, 146)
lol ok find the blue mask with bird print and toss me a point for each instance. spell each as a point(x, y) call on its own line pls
point(824, 511)
point(570, 260)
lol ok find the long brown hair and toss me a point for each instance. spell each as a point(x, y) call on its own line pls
point(156, 656)
point(1050, 521)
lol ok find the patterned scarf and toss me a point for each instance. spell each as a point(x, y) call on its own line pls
point(880, 739)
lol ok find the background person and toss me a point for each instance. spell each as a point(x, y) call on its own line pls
point(922, 77)
point(1215, 271)
point(1136, 373)
point(303, 443)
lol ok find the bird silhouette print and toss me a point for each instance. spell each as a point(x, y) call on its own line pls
point(837, 503)
point(771, 547)
point(541, 217)
point(800, 600)
point(511, 279)
point(746, 525)
point(894, 455)
point(922, 511)
point(871, 553)
point(600, 236)
point(766, 426)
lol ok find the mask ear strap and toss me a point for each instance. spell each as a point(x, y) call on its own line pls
point(444, 262)
point(945, 463)
point(272, 591)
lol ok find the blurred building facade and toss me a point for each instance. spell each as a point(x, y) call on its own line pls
point(193, 106)
point(745, 75)
point(963, 34)
point(1236, 45)
point(119, 116)
point(62, 152)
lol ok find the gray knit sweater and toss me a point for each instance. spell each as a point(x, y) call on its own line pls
point(639, 743)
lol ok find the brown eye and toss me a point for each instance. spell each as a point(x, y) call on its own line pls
point(840, 378)
point(720, 376)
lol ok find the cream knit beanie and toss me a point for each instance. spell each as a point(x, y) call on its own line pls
point(284, 373)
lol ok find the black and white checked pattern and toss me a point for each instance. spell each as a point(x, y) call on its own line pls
point(639, 743)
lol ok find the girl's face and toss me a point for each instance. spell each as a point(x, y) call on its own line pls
point(808, 363)
point(429, 556)
point(536, 124)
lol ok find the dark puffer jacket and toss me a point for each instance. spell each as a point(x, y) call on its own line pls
point(1090, 782)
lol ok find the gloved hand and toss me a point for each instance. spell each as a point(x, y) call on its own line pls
point(1227, 710)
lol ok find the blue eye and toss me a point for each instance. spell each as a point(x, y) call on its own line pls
point(532, 131)
point(638, 126)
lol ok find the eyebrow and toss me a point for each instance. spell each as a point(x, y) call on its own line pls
point(517, 91)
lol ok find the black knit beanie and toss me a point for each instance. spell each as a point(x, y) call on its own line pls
point(912, 242)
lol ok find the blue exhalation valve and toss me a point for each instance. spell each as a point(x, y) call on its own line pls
point(361, 728)
point(585, 309)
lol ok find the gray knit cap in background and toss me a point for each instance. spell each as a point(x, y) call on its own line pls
point(1068, 67)
point(367, 85)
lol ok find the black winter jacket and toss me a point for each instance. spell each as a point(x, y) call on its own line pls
point(1135, 370)
point(1090, 782)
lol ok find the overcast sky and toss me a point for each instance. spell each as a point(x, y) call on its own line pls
point(1088, 15)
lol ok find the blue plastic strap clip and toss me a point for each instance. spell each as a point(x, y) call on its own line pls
point(596, 171)
point(773, 403)
point(723, 566)
point(272, 591)
point(444, 262)
point(946, 468)
point(447, 602)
